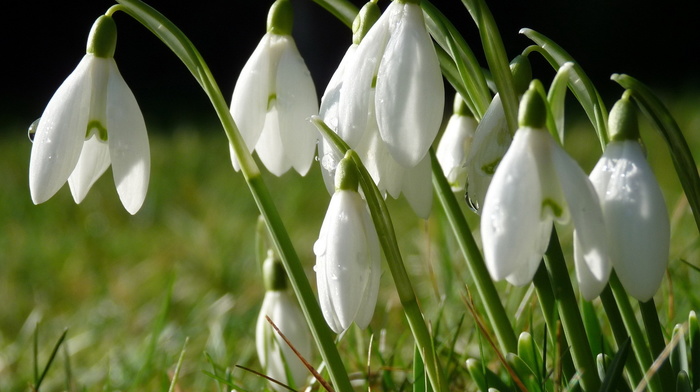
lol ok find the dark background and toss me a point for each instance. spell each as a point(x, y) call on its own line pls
point(657, 42)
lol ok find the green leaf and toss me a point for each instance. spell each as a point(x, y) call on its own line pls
point(496, 58)
point(582, 87)
point(556, 98)
point(484, 378)
point(457, 60)
point(683, 382)
point(613, 374)
point(694, 335)
point(683, 160)
point(679, 354)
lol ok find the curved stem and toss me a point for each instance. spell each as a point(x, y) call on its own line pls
point(185, 50)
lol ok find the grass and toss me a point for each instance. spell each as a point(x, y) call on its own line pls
point(131, 291)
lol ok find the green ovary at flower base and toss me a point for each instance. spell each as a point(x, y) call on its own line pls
point(536, 184)
point(273, 98)
point(347, 255)
point(275, 355)
point(91, 121)
point(633, 207)
point(455, 144)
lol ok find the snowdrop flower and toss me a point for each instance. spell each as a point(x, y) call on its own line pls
point(397, 59)
point(347, 255)
point(390, 177)
point(536, 184)
point(633, 207)
point(492, 138)
point(455, 144)
point(275, 355)
point(91, 121)
point(273, 98)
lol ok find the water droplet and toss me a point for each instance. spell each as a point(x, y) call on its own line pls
point(32, 129)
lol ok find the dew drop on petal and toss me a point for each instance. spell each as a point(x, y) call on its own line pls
point(32, 129)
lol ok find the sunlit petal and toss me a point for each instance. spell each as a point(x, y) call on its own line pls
point(417, 188)
point(128, 143)
point(410, 92)
point(59, 137)
point(94, 161)
point(453, 147)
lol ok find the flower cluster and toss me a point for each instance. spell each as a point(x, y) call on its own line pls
point(386, 101)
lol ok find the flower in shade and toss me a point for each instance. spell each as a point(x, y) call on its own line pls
point(276, 356)
point(633, 207)
point(273, 98)
point(347, 255)
point(536, 184)
point(455, 144)
point(91, 121)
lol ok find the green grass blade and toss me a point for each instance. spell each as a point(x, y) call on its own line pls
point(54, 352)
point(682, 157)
point(176, 375)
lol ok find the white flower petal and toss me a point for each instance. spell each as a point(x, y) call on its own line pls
point(637, 219)
point(410, 94)
point(94, 161)
point(491, 141)
point(590, 235)
point(453, 147)
point(60, 133)
point(358, 81)
point(346, 257)
point(274, 353)
point(296, 103)
point(515, 227)
point(128, 143)
point(251, 95)
point(417, 188)
point(269, 148)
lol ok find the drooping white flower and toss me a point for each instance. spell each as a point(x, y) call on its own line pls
point(534, 185)
point(397, 58)
point(355, 120)
point(455, 144)
point(273, 98)
point(633, 206)
point(347, 256)
point(275, 355)
point(91, 121)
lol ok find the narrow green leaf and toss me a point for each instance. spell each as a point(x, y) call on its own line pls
point(462, 68)
point(484, 378)
point(524, 372)
point(419, 381)
point(613, 380)
point(176, 375)
point(694, 335)
point(344, 10)
point(682, 157)
point(679, 354)
point(579, 83)
point(556, 98)
point(496, 58)
point(530, 354)
point(683, 382)
point(592, 326)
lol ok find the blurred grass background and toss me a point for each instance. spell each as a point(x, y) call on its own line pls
point(131, 289)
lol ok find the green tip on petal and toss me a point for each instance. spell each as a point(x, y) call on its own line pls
point(346, 174)
point(533, 110)
point(280, 19)
point(102, 40)
point(365, 19)
point(521, 69)
point(274, 276)
point(460, 107)
point(622, 123)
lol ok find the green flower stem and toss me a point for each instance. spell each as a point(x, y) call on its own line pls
point(569, 315)
point(612, 312)
point(488, 294)
point(392, 253)
point(185, 50)
point(657, 344)
point(548, 304)
point(639, 346)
